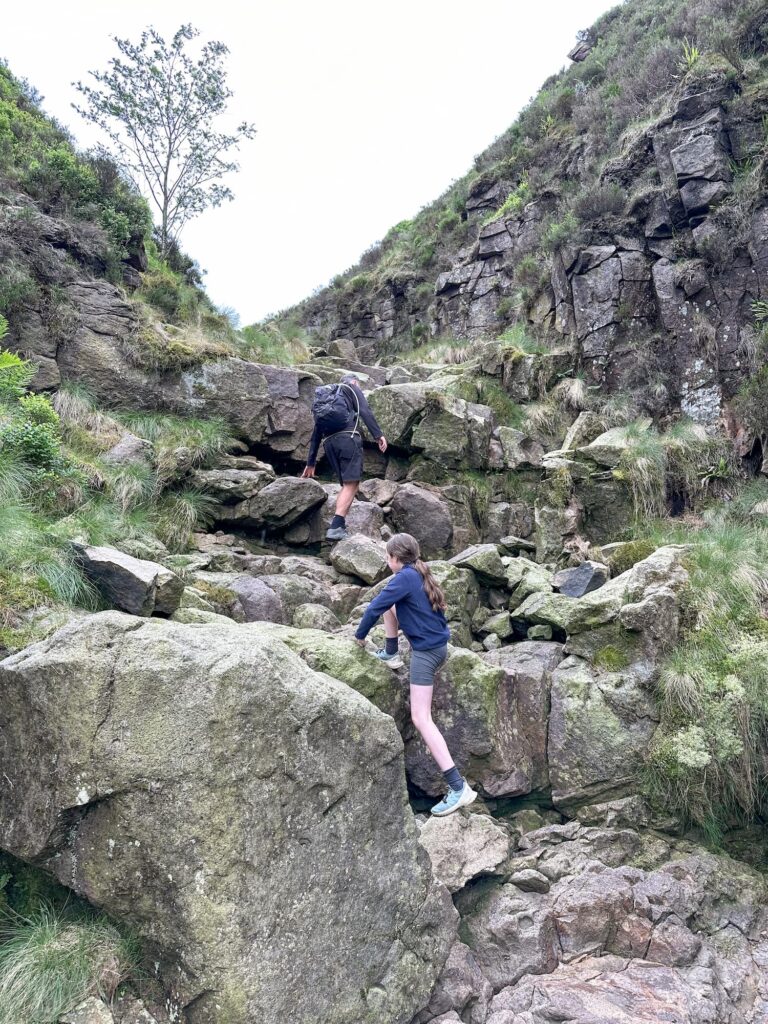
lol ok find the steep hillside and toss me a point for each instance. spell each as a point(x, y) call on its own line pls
point(194, 743)
point(624, 214)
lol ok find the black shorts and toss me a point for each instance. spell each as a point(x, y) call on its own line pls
point(345, 455)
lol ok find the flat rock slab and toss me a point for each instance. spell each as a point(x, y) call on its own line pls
point(131, 584)
point(582, 579)
point(485, 561)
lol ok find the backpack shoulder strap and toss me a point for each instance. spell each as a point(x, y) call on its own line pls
point(357, 403)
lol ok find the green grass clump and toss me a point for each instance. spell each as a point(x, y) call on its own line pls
point(49, 964)
point(684, 460)
point(514, 203)
point(179, 442)
point(518, 338)
point(507, 412)
point(708, 756)
point(179, 512)
point(278, 342)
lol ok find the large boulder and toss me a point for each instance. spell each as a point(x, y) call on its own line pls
point(493, 717)
point(241, 812)
point(463, 847)
point(359, 556)
point(396, 409)
point(454, 433)
point(426, 516)
point(234, 487)
point(528, 667)
point(484, 560)
point(133, 585)
point(600, 726)
point(284, 501)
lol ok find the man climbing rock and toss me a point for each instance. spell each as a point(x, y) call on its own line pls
point(338, 409)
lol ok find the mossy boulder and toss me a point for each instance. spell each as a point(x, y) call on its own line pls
point(454, 433)
point(222, 799)
point(601, 724)
point(525, 577)
point(396, 409)
point(574, 614)
point(343, 659)
point(361, 557)
point(485, 714)
point(485, 561)
point(608, 448)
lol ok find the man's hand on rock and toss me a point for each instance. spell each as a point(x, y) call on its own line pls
point(382, 443)
point(308, 471)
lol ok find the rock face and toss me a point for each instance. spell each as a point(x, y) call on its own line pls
point(682, 938)
point(243, 813)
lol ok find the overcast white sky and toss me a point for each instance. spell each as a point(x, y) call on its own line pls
point(365, 112)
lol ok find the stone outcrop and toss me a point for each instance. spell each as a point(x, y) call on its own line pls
point(683, 937)
point(211, 791)
point(131, 584)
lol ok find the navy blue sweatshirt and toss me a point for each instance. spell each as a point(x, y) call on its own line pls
point(366, 415)
point(423, 626)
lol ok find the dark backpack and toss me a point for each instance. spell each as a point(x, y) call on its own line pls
point(330, 408)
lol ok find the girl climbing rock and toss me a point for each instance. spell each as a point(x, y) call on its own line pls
point(413, 600)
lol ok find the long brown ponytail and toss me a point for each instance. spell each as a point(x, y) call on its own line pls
point(405, 549)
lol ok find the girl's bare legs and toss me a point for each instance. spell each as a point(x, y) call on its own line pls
point(391, 626)
point(421, 716)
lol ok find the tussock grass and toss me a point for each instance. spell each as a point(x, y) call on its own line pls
point(709, 758)
point(179, 512)
point(683, 460)
point(34, 568)
point(179, 442)
point(547, 421)
point(572, 394)
point(48, 964)
point(83, 425)
point(275, 342)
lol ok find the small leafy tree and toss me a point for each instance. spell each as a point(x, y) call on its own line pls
point(158, 106)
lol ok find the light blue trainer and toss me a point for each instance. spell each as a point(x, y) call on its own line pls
point(453, 800)
point(391, 660)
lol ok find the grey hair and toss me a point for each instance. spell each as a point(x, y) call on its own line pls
point(350, 377)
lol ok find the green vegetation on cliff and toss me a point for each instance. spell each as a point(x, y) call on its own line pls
point(56, 486)
point(708, 758)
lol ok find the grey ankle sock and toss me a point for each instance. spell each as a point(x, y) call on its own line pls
point(454, 779)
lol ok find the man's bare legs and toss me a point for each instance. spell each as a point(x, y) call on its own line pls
point(346, 497)
point(421, 716)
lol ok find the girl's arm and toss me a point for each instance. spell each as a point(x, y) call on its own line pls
point(394, 591)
